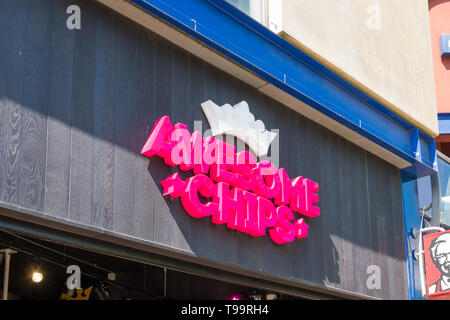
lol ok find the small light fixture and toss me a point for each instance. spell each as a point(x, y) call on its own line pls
point(37, 275)
point(111, 276)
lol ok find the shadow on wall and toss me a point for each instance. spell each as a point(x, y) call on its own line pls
point(434, 3)
point(446, 62)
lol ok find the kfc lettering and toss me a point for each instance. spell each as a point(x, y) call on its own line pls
point(238, 189)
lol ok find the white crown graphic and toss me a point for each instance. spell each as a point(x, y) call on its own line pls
point(238, 121)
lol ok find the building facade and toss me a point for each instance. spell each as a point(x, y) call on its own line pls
point(353, 109)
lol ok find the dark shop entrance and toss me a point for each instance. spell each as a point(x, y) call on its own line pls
point(39, 269)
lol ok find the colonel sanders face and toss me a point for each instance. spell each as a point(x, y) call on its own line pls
point(440, 252)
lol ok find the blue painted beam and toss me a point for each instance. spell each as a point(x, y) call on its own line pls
point(224, 28)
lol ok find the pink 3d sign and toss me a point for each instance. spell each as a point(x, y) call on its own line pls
point(237, 191)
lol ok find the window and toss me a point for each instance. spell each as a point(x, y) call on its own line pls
point(254, 8)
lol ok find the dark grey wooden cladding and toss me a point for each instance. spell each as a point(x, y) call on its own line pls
point(76, 106)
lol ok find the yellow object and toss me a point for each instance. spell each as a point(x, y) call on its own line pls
point(80, 294)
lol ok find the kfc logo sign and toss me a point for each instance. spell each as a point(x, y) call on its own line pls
point(230, 187)
point(437, 264)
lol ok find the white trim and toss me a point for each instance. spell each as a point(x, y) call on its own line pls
point(275, 16)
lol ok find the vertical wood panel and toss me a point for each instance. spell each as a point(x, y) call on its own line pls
point(104, 121)
point(382, 258)
point(393, 286)
point(210, 85)
point(83, 89)
point(383, 229)
point(309, 156)
point(124, 184)
point(180, 223)
point(290, 164)
point(359, 208)
point(259, 252)
point(400, 288)
point(299, 261)
point(313, 172)
point(162, 215)
point(35, 101)
point(57, 180)
point(370, 234)
point(282, 122)
point(278, 257)
point(145, 186)
point(388, 216)
point(347, 217)
point(224, 88)
point(195, 85)
point(320, 243)
point(375, 188)
point(13, 24)
point(363, 251)
point(330, 208)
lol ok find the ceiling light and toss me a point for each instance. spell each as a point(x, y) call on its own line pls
point(37, 276)
point(36, 273)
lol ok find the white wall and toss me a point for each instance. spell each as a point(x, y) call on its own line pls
point(383, 46)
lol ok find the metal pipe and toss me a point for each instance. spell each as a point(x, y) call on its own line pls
point(165, 282)
point(6, 276)
point(7, 253)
